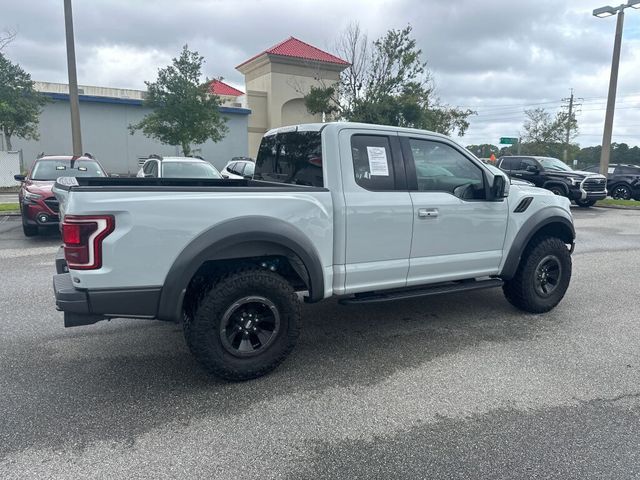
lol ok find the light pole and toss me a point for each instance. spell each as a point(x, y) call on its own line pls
point(603, 12)
point(73, 81)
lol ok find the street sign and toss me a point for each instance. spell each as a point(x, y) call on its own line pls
point(508, 141)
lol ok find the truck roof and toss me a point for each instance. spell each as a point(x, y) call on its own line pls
point(316, 127)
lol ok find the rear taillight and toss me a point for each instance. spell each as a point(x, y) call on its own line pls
point(82, 237)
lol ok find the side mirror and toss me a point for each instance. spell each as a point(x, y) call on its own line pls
point(499, 188)
point(532, 169)
point(248, 177)
point(19, 178)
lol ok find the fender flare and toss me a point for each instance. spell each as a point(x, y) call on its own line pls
point(239, 238)
point(529, 229)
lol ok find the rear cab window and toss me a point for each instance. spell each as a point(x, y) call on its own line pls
point(292, 158)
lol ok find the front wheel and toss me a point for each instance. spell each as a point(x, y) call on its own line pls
point(557, 190)
point(542, 277)
point(621, 192)
point(585, 203)
point(29, 230)
point(246, 325)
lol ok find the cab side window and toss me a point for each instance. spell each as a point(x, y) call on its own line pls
point(150, 168)
point(372, 162)
point(509, 163)
point(441, 168)
point(527, 162)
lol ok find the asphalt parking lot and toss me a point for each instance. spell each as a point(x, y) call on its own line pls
point(461, 386)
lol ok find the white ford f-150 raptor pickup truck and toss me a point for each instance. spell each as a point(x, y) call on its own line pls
point(366, 213)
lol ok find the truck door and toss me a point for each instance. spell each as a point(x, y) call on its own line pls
point(457, 232)
point(378, 211)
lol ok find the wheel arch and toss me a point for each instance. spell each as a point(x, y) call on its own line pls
point(234, 240)
point(551, 183)
point(542, 223)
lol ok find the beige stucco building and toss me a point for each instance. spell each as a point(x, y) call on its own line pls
point(276, 81)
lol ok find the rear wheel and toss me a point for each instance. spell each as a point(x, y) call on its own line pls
point(245, 325)
point(585, 203)
point(542, 277)
point(621, 192)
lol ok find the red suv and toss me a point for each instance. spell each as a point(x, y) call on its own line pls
point(38, 206)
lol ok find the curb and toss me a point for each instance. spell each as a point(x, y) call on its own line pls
point(618, 207)
point(9, 214)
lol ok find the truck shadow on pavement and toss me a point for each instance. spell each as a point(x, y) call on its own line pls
point(118, 380)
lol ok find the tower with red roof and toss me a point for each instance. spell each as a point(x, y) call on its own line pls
point(278, 78)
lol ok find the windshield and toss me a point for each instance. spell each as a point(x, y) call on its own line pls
point(554, 164)
point(50, 170)
point(189, 170)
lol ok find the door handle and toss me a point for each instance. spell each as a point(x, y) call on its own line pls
point(427, 212)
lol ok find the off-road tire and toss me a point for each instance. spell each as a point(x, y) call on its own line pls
point(521, 291)
point(585, 203)
point(203, 331)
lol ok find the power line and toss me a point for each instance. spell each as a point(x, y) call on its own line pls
point(533, 104)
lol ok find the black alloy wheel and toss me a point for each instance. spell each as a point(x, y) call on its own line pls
point(547, 276)
point(621, 192)
point(249, 326)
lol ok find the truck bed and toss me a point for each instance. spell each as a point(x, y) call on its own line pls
point(105, 184)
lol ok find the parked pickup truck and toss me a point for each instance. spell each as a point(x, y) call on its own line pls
point(363, 212)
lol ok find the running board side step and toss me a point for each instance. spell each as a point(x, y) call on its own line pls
point(464, 286)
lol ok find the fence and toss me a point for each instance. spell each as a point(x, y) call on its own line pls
point(9, 166)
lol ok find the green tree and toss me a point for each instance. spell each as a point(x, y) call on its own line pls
point(386, 83)
point(484, 150)
point(620, 153)
point(546, 135)
point(184, 112)
point(20, 103)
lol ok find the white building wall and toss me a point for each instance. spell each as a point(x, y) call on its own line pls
point(105, 135)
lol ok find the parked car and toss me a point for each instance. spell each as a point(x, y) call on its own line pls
point(157, 166)
point(228, 259)
point(239, 167)
point(623, 181)
point(584, 188)
point(38, 205)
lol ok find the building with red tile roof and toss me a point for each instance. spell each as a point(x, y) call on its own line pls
point(277, 80)
point(292, 47)
point(218, 87)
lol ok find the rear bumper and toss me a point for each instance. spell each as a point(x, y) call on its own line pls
point(73, 302)
point(85, 307)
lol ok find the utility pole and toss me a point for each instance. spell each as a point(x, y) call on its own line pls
point(73, 81)
point(570, 114)
point(566, 140)
point(611, 98)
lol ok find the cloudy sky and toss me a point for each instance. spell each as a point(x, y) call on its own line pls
point(497, 57)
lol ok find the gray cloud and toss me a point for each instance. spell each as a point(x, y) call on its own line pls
point(482, 54)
